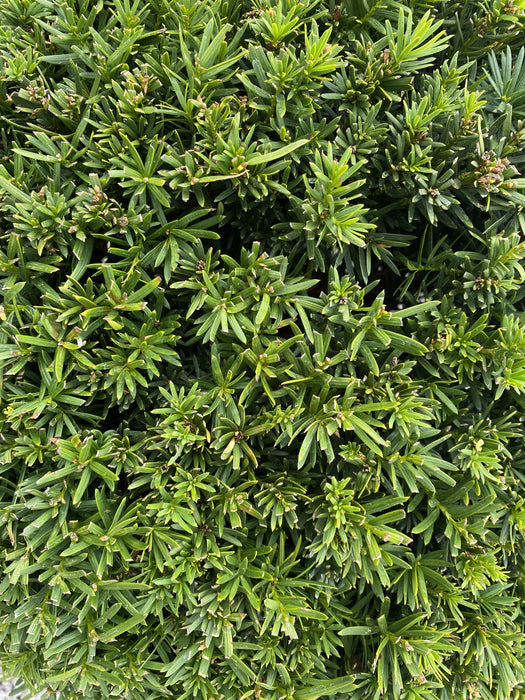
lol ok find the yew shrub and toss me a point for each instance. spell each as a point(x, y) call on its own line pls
point(262, 348)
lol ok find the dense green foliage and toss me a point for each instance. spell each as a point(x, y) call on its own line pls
point(262, 348)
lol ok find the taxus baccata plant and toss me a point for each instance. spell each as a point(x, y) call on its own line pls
point(262, 348)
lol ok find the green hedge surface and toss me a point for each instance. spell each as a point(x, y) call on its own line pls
point(262, 349)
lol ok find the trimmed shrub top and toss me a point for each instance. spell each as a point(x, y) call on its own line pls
point(262, 348)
